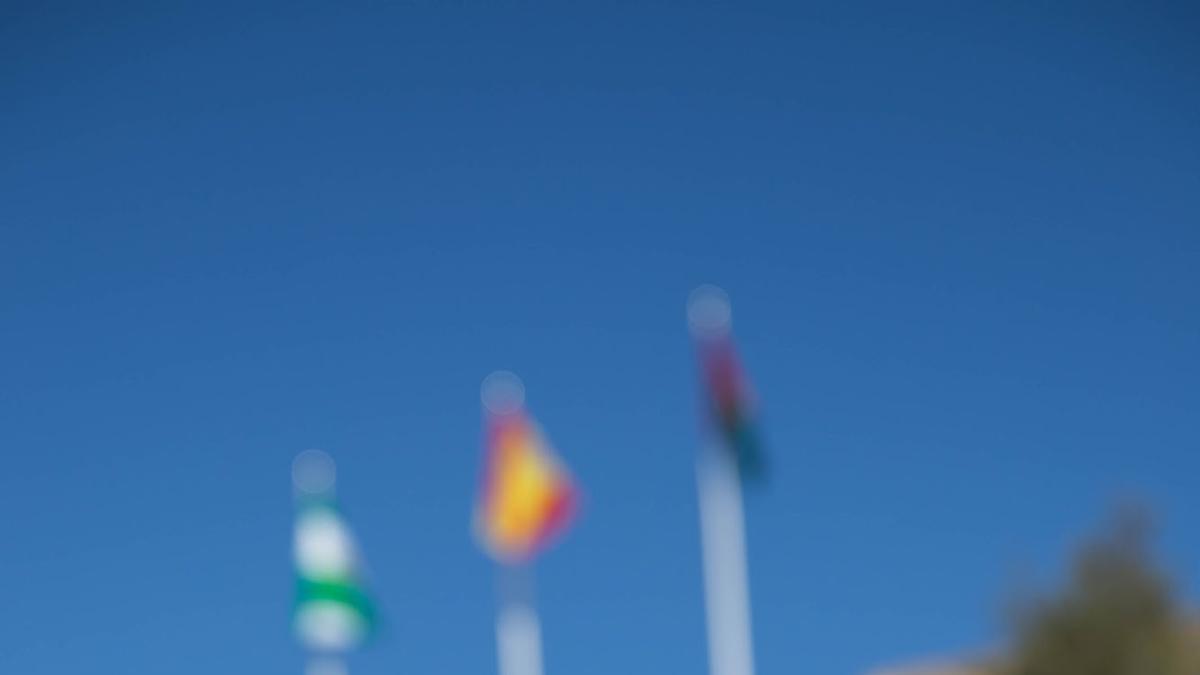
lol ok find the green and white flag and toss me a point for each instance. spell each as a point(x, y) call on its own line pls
point(333, 613)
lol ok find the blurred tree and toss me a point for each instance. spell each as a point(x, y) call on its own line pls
point(1117, 616)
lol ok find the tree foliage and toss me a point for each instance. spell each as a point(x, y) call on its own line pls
point(1116, 616)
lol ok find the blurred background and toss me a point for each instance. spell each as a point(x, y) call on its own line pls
point(960, 242)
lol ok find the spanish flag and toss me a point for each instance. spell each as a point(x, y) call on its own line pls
point(527, 498)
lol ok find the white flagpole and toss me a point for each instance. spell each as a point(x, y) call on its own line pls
point(518, 630)
point(314, 474)
point(726, 583)
point(518, 639)
point(326, 665)
point(722, 522)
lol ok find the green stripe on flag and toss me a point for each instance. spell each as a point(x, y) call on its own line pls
point(344, 592)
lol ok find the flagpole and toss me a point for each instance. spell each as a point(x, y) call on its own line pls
point(328, 622)
point(518, 630)
point(314, 475)
point(722, 520)
point(726, 583)
point(325, 665)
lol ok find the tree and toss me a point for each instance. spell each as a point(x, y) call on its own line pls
point(1117, 616)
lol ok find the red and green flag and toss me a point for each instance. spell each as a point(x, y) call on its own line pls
point(730, 407)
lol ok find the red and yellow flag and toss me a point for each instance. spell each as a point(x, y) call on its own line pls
point(527, 497)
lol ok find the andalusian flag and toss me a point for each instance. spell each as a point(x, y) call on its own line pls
point(527, 497)
point(730, 404)
point(333, 613)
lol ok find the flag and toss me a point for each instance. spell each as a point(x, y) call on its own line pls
point(527, 497)
point(333, 613)
point(730, 404)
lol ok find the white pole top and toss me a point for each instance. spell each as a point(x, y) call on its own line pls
point(708, 311)
point(313, 473)
point(502, 393)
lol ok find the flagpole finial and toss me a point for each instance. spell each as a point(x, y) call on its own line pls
point(314, 474)
point(708, 311)
point(502, 393)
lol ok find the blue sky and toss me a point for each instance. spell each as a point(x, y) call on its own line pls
point(961, 244)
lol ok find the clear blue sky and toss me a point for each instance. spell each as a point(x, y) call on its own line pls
point(961, 243)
